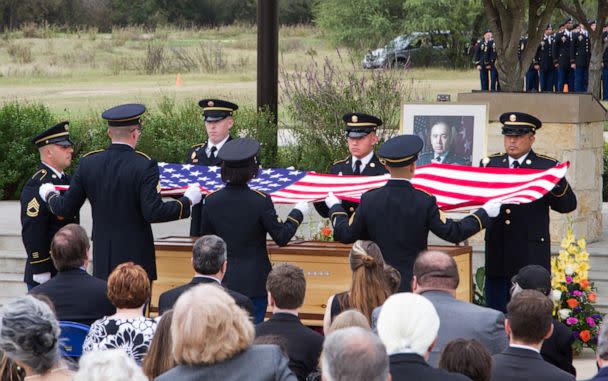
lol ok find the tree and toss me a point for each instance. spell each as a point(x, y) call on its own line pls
point(507, 19)
point(574, 8)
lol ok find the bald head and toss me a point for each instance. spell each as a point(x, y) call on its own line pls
point(435, 270)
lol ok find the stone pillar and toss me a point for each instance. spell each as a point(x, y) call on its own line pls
point(572, 130)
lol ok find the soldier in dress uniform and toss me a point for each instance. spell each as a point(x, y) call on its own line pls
point(123, 188)
point(38, 226)
point(580, 57)
point(561, 56)
point(519, 236)
point(217, 115)
point(398, 217)
point(485, 58)
point(544, 57)
point(361, 134)
point(242, 217)
point(532, 73)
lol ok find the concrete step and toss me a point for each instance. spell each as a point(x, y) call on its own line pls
point(11, 285)
point(11, 242)
point(12, 261)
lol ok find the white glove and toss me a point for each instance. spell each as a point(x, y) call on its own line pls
point(492, 207)
point(41, 278)
point(331, 200)
point(302, 206)
point(45, 189)
point(194, 193)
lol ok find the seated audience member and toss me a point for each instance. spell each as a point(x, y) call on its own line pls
point(9, 371)
point(128, 329)
point(210, 264)
point(286, 288)
point(601, 355)
point(368, 288)
point(212, 340)
point(159, 358)
point(349, 318)
point(29, 336)
point(110, 365)
point(528, 323)
point(393, 278)
point(354, 354)
point(76, 295)
point(467, 357)
point(557, 349)
point(408, 326)
point(279, 341)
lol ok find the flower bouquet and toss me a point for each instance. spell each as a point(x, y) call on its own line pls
point(573, 294)
point(325, 233)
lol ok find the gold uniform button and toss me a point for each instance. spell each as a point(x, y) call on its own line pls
point(351, 209)
point(508, 222)
point(508, 211)
point(542, 240)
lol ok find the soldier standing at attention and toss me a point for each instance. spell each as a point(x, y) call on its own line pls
point(217, 115)
point(580, 56)
point(361, 135)
point(561, 56)
point(544, 57)
point(485, 58)
point(123, 188)
point(38, 226)
point(519, 236)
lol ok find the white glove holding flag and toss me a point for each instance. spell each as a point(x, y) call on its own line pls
point(46, 189)
point(492, 208)
point(331, 200)
point(194, 193)
point(302, 206)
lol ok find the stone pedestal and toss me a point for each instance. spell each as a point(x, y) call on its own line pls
point(572, 131)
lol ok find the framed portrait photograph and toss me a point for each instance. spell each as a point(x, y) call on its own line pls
point(452, 133)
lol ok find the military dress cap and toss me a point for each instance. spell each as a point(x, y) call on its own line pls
point(58, 134)
point(533, 277)
point(216, 109)
point(519, 123)
point(400, 151)
point(124, 115)
point(359, 125)
point(239, 152)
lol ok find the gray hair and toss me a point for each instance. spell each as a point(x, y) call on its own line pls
point(29, 333)
point(602, 342)
point(108, 365)
point(354, 354)
point(208, 254)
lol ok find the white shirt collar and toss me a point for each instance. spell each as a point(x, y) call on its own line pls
point(59, 174)
point(218, 146)
point(520, 160)
point(524, 347)
point(208, 277)
point(364, 160)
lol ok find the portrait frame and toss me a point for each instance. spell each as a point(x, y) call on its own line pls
point(467, 124)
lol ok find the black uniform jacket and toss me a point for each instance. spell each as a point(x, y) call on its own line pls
point(303, 344)
point(197, 155)
point(485, 53)
point(580, 50)
point(77, 296)
point(345, 167)
point(561, 50)
point(519, 236)
point(398, 217)
point(544, 53)
point(168, 298)
point(38, 226)
point(242, 216)
point(123, 188)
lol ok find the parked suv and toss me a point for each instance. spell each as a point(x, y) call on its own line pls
point(418, 48)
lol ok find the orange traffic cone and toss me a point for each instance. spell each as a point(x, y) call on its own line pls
point(565, 87)
point(178, 80)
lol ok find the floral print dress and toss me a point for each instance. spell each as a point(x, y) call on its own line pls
point(131, 335)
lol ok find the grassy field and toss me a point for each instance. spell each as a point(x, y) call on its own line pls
point(79, 72)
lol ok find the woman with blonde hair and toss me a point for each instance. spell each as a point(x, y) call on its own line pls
point(349, 318)
point(212, 340)
point(369, 288)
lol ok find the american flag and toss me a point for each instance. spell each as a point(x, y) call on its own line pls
point(456, 187)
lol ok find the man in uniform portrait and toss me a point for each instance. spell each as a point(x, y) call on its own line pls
point(38, 226)
point(519, 235)
point(217, 115)
point(123, 188)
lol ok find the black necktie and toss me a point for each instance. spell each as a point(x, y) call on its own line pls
point(357, 167)
point(516, 164)
point(438, 159)
point(212, 152)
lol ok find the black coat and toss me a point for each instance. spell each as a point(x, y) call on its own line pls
point(197, 155)
point(242, 217)
point(485, 53)
point(561, 50)
point(77, 296)
point(411, 366)
point(168, 298)
point(123, 188)
point(520, 364)
point(303, 344)
point(544, 53)
point(557, 349)
point(605, 55)
point(519, 236)
point(345, 167)
point(580, 50)
point(398, 217)
point(38, 226)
